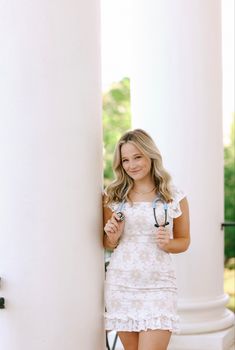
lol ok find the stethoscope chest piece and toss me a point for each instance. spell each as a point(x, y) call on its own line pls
point(121, 215)
point(119, 211)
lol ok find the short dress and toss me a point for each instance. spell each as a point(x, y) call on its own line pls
point(140, 284)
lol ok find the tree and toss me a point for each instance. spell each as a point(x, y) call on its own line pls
point(116, 120)
point(229, 192)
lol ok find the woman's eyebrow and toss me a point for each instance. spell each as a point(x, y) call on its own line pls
point(132, 155)
point(136, 154)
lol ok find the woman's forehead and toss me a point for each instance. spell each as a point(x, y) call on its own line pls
point(129, 149)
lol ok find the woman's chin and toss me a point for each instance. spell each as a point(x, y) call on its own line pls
point(136, 176)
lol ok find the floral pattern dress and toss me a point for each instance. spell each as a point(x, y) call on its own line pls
point(140, 285)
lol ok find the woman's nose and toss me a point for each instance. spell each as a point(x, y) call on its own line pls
point(132, 164)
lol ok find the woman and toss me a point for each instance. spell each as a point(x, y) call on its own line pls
point(146, 218)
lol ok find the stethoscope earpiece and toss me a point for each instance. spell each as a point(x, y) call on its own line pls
point(167, 223)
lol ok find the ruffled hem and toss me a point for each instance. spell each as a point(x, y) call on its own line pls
point(130, 324)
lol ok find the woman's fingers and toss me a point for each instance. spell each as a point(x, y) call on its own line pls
point(112, 232)
point(162, 236)
point(111, 226)
point(114, 227)
point(114, 221)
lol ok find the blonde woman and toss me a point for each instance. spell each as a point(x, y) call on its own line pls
point(146, 219)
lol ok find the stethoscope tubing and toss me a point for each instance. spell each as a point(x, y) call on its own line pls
point(154, 204)
point(165, 205)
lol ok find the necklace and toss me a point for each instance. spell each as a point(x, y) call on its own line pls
point(144, 192)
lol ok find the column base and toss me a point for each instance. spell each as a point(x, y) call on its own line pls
point(223, 340)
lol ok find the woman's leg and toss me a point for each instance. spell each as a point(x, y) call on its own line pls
point(154, 340)
point(129, 340)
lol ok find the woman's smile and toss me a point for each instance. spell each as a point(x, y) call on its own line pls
point(134, 162)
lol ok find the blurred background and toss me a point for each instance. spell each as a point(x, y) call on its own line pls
point(116, 85)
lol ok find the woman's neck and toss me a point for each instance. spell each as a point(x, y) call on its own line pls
point(143, 187)
point(143, 191)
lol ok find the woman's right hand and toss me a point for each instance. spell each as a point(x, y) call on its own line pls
point(114, 228)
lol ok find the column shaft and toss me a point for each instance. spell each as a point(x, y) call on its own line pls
point(51, 256)
point(177, 97)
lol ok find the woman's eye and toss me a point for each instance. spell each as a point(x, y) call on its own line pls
point(124, 160)
point(137, 157)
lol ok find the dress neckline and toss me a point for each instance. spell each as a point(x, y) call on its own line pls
point(140, 202)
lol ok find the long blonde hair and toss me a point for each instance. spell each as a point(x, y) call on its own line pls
point(120, 188)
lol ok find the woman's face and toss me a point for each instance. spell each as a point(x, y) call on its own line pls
point(134, 162)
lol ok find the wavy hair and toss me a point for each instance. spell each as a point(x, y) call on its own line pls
point(120, 188)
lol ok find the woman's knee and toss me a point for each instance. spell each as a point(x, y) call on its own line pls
point(154, 340)
point(129, 340)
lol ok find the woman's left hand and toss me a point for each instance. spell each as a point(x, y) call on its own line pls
point(163, 237)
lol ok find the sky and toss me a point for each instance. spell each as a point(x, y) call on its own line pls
point(116, 64)
point(115, 20)
point(228, 65)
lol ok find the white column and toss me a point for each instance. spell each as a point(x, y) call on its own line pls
point(51, 256)
point(176, 89)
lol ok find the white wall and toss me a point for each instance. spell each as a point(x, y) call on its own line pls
point(51, 258)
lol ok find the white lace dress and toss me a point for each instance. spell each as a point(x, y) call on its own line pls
point(140, 285)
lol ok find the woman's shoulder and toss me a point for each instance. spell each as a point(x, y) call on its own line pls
point(177, 193)
point(174, 206)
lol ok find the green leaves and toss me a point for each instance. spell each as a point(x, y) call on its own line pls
point(229, 193)
point(116, 120)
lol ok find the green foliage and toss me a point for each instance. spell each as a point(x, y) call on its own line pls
point(229, 191)
point(229, 282)
point(116, 120)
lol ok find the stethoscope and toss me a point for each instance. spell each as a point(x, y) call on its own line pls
point(154, 205)
point(165, 206)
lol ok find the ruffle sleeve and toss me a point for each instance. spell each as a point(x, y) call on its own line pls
point(174, 207)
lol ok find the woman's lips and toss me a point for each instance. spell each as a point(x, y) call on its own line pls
point(134, 172)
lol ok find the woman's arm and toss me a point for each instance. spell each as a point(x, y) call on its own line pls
point(181, 232)
point(107, 214)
